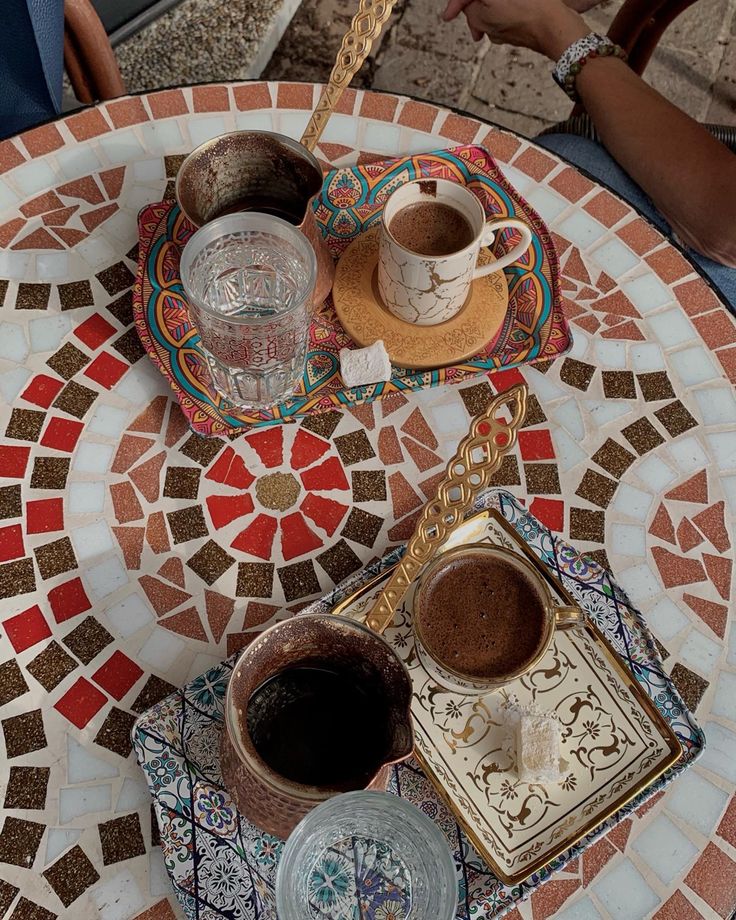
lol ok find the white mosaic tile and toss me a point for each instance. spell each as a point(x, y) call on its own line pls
point(382, 138)
point(31, 178)
point(611, 355)
point(640, 583)
point(646, 357)
point(518, 179)
point(256, 121)
point(161, 649)
point(86, 497)
point(655, 473)
point(694, 365)
point(666, 619)
point(204, 129)
point(129, 615)
point(628, 540)
point(47, 332)
point(700, 652)
point(639, 900)
point(96, 252)
point(13, 344)
point(52, 266)
point(632, 502)
point(109, 421)
point(118, 898)
point(141, 383)
point(342, 129)
point(77, 160)
point(159, 877)
point(647, 293)
point(547, 204)
point(720, 751)
point(582, 909)
point(161, 136)
point(608, 411)
point(615, 258)
point(149, 170)
point(568, 415)
point(724, 701)
point(74, 802)
point(12, 382)
point(544, 387)
point(59, 839)
point(688, 454)
point(8, 198)
point(91, 540)
point(84, 767)
point(697, 801)
point(672, 328)
point(133, 795)
point(568, 451)
point(121, 146)
point(664, 848)
point(15, 265)
point(105, 578)
point(723, 447)
point(717, 405)
point(92, 458)
point(580, 229)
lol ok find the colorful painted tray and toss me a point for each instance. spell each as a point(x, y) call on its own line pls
point(352, 198)
point(223, 867)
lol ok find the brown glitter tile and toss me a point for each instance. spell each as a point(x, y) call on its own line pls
point(182, 482)
point(354, 447)
point(369, 485)
point(155, 690)
point(71, 875)
point(27, 910)
point(32, 296)
point(155, 830)
point(75, 294)
point(129, 346)
point(534, 412)
point(542, 478)
point(122, 308)
point(25, 424)
point(187, 524)
point(298, 580)
point(10, 502)
point(55, 557)
point(255, 579)
point(614, 458)
point(75, 399)
point(27, 788)
point(50, 472)
point(201, 450)
point(322, 423)
point(210, 561)
point(476, 398)
point(576, 373)
point(19, 841)
point(618, 385)
point(587, 525)
point(675, 418)
point(339, 561)
point(116, 278)
point(173, 163)
point(17, 577)
point(642, 436)
point(362, 527)
point(121, 839)
point(655, 386)
point(3, 290)
point(690, 685)
point(68, 361)
point(597, 488)
point(88, 639)
point(114, 733)
point(51, 666)
point(12, 682)
point(507, 474)
point(7, 891)
point(663, 653)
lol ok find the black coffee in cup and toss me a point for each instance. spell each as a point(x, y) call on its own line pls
point(431, 228)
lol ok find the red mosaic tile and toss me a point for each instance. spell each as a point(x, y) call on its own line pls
point(662, 526)
point(548, 899)
point(10, 156)
point(687, 536)
point(257, 614)
point(325, 477)
point(696, 297)
point(257, 538)
point(219, 611)
point(112, 180)
point(536, 445)
point(161, 910)
point(176, 427)
point(719, 572)
point(628, 330)
point(307, 449)
point(11, 543)
point(294, 96)
point(166, 103)
point(147, 476)
point(252, 96)
point(60, 216)
point(534, 163)
point(669, 264)
point(424, 458)
point(550, 511)
point(126, 112)
point(70, 236)
point(325, 512)
point(219, 469)
point(573, 867)
point(39, 239)
point(106, 370)
point(589, 323)
point(334, 152)
point(713, 878)
point(619, 835)
point(716, 328)
point(677, 570)
point(87, 124)
point(712, 525)
point(504, 380)
point(392, 403)
point(610, 319)
point(713, 614)
point(618, 304)
point(428, 487)
point(45, 515)
point(13, 461)
point(157, 536)
point(575, 267)
point(677, 908)
point(297, 538)
point(605, 283)
point(606, 208)
point(560, 243)
point(572, 184)
point(236, 642)
point(418, 115)
point(125, 503)
point(403, 498)
point(226, 508)
point(68, 600)
point(211, 98)
point(639, 236)
point(694, 489)
point(42, 390)
point(459, 128)
point(403, 530)
point(173, 570)
point(571, 309)
point(346, 103)
point(186, 623)
point(416, 425)
point(62, 434)
point(163, 597)
point(92, 219)
point(727, 827)
point(379, 106)
point(49, 201)
point(389, 449)
point(586, 294)
point(649, 804)
point(117, 675)
point(85, 188)
point(130, 449)
point(26, 629)
point(81, 702)
point(365, 415)
point(595, 858)
point(503, 146)
point(727, 358)
point(10, 229)
point(269, 445)
point(130, 540)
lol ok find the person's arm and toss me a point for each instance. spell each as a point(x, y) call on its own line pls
point(690, 176)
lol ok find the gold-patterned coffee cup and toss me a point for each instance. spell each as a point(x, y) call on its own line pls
point(555, 617)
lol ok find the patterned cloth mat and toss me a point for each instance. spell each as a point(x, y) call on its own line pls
point(352, 199)
point(224, 867)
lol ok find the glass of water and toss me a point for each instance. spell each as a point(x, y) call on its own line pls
point(249, 280)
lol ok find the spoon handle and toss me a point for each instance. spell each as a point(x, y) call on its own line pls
point(356, 45)
point(478, 457)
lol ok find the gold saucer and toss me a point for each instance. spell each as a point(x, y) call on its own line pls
point(365, 319)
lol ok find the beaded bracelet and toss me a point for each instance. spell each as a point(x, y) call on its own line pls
point(577, 55)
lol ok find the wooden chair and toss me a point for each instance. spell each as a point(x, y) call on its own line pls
point(88, 56)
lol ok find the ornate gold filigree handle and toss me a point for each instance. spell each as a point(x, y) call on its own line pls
point(478, 457)
point(355, 48)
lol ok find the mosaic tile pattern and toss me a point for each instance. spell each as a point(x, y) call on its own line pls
point(134, 555)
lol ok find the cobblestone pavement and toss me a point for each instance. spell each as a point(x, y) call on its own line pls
point(694, 66)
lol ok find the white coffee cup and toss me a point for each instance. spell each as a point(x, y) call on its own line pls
point(427, 290)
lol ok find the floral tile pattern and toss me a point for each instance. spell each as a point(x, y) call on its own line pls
point(116, 521)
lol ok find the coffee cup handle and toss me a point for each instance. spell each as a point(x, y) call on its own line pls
point(489, 235)
point(569, 617)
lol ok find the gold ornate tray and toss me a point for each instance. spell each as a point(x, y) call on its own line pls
point(615, 741)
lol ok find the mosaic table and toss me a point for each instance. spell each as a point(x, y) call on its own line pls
point(134, 554)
